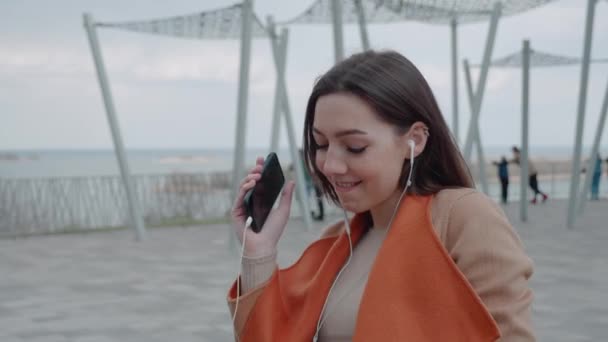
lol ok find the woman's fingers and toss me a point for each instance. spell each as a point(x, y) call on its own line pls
point(254, 174)
point(247, 184)
point(256, 169)
point(287, 196)
point(249, 177)
point(237, 206)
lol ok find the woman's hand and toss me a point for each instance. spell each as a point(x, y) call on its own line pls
point(265, 242)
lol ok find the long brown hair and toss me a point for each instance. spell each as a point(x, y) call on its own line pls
point(400, 95)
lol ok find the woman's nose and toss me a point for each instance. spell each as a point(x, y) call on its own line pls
point(333, 164)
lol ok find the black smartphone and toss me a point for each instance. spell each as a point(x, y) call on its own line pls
point(260, 200)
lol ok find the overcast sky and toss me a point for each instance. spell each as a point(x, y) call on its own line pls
point(176, 93)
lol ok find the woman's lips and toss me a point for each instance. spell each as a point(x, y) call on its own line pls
point(345, 186)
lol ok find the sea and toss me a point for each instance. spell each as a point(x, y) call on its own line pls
point(55, 163)
point(61, 164)
point(85, 163)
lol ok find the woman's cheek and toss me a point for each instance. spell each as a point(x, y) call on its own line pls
point(320, 161)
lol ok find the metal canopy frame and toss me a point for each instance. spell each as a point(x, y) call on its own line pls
point(582, 103)
point(438, 12)
point(479, 147)
point(134, 207)
point(473, 135)
point(233, 22)
point(278, 44)
point(529, 58)
point(239, 21)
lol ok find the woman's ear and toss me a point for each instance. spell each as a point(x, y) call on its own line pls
point(419, 133)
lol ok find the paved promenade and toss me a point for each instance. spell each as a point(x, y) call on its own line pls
point(102, 287)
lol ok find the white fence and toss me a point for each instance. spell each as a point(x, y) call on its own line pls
point(34, 206)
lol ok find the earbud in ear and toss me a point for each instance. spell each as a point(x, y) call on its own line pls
point(412, 143)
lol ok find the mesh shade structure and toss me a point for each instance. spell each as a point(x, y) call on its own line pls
point(223, 23)
point(539, 59)
point(440, 12)
point(232, 22)
point(464, 11)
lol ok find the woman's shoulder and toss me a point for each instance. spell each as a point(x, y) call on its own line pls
point(454, 201)
point(460, 206)
point(447, 199)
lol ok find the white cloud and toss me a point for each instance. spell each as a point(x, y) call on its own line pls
point(436, 76)
point(18, 59)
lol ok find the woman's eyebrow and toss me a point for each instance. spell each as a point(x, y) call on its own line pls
point(343, 132)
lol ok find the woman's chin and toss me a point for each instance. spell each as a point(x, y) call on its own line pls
point(353, 207)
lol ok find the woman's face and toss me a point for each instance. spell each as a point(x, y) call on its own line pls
point(358, 153)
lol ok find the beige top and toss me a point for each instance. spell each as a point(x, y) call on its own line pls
point(478, 237)
point(531, 167)
point(343, 303)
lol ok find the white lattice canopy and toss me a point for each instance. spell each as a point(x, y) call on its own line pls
point(223, 23)
point(431, 11)
point(539, 59)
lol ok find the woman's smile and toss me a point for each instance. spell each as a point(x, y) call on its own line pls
point(342, 187)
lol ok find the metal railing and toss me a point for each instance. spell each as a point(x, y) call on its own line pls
point(37, 206)
point(48, 205)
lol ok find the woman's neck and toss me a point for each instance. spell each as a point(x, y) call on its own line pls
point(383, 212)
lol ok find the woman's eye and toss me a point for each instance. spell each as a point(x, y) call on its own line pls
point(322, 147)
point(356, 150)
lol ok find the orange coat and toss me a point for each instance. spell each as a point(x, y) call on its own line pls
point(415, 291)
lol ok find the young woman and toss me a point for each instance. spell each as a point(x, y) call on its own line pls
point(532, 175)
point(425, 257)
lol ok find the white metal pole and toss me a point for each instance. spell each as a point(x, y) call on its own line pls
point(238, 165)
point(481, 84)
point(238, 168)
point(336, 15)
point(468, 82)
point(471, 97)
point(480, 155)
point(470, 93)
point(362, 25)
point(280, 56)
point(455, 119)
point(481, 159)
point(280, 64)
point(134, 207)
point(582, 102)
point(594, 150)
point(523, 158)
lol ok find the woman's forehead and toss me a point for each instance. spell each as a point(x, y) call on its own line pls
point(343, 111)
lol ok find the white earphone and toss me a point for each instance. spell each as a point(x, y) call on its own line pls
point(412, 143)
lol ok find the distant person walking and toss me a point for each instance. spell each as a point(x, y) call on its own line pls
point(532, 175)
point(597, 176)
point(503, 176)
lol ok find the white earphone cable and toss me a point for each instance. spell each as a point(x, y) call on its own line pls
point(323, 317)
point(238, 279)
point(350, 243)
